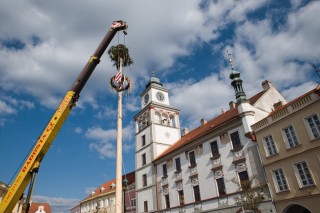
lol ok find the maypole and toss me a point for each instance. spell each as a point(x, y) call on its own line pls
point(121, 58)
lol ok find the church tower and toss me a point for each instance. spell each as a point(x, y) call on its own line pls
point(244, 107)
point(157, 128)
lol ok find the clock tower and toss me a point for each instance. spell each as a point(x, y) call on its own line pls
point(157, 128)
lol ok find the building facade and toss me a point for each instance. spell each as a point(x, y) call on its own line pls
point(102, 199)
point(201, 171)
point(289, 143)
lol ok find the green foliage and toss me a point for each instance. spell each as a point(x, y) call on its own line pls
point(249, 196)
point(120, 51)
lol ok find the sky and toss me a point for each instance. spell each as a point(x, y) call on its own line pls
point(45, 44)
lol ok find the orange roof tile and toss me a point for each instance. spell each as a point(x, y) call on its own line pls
point(34, 207)
point(211, 125)
point(107, 185)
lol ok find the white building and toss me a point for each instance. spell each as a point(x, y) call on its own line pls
point(198, 171)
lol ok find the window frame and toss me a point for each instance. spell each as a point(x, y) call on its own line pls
point(293, 136)
point(165, 170)
point(181, 195)
point(167, 201)
point(143, 140)
point(144, 180)
point(235, 145)
point(178, 160)
point(280, 183)
point(192, 159)
point(143, 159)
point(196, 193)
point(214, 147)
point(133, 201)
point(310, 130)
point(220, 183)
point(298, 174)
point(145, 206)
point(267, 143)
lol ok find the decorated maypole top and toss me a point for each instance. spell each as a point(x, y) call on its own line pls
point(120, 57)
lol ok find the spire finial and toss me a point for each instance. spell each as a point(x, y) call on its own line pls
point(153, 72)
point(230, 60)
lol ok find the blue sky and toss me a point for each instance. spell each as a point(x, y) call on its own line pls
point(45, 44)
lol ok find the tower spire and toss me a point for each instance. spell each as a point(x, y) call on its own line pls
point(236, 82)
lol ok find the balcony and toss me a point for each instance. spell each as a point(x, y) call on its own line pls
point(193, 171)
point(238, 156)
point(164, 181)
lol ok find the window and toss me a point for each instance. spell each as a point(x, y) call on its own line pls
point(143, 158)
point(314, 125)
point(164, 169)
point(214, 148)
point(196, 193)
point(178, 164)
point(270, 145)
point(172, 121)
point(143, 139)
point(304, 174)
point(133, 202)
point(243, 176)
point(144, 179)
point(192, 158)
point(181, 197)
point(167, 199)
point(145, 205)
point(235, 139)
point(290, 135)
point(281, 180)
point(221, 186)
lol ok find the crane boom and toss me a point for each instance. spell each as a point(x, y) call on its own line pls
point(51, 130)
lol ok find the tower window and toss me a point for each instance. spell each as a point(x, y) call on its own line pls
point(145, 206)
point(144, 180)
point(143, 140)
point(143, 158)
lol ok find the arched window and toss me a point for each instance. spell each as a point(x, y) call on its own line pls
point(165, 119)
point(157, 118)
point(172, 121)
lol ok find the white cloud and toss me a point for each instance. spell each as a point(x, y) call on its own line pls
point(78, 130)
point(105, 140)
point(57, 204)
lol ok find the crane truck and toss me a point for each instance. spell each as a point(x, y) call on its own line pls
point(32, 162)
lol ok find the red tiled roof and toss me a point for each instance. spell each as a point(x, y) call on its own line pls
point(34, 207)
point(202, 130)
point(107, 185)
point(209, 126)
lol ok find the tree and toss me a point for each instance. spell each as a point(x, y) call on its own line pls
point(250, 196)
point(117, 52)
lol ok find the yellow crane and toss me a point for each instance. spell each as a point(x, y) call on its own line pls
point(32, 163)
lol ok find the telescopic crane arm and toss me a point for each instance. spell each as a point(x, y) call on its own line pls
point(45, 140)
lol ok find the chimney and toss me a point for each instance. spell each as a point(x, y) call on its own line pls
point(223, 111)
point(185, 131)
point(203, 121)
point(278, 105)
point(232, 105)
point(266, 85)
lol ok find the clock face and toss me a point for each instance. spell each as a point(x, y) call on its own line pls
point(146, 98)
point(160, 96)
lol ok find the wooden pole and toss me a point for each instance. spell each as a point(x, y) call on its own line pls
point(119, 153)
